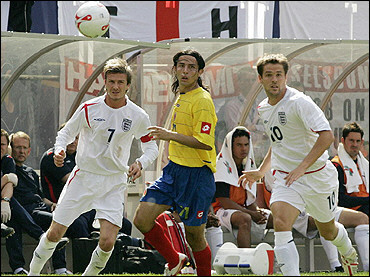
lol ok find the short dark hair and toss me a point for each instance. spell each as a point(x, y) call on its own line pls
point(117, 65)
point(274, 59)
point(240, 133)
point(201, 65)
point(352, 127)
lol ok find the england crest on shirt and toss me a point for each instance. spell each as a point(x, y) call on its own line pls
point(126, 124)
point(282, 118)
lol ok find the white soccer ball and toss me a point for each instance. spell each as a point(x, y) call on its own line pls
point(92, 19)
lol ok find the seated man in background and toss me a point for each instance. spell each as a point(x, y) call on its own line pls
point(29, 194)
point(235, 205)
point(353, 176)
point(13, 213)
point(53, 179)
point(353, 169)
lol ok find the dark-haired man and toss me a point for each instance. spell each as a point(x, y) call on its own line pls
point(187, 183)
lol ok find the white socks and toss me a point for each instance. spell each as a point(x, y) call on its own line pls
point(99, 259)
point(42, 253)
point(362, 242)
point(286, 253)
point(331, 252)
point(342, 241)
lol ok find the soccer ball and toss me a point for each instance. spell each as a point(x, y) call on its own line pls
point(92, 19)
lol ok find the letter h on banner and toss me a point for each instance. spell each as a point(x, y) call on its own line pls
point(231, 25)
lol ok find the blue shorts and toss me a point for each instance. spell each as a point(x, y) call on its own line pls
point(189, 190)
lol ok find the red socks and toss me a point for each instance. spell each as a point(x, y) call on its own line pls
point(161, 243)
point(203, 261)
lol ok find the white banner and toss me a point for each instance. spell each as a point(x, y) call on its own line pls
point(324, 19)
point(158, 20)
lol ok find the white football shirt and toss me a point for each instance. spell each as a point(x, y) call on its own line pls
point(292, 125)
point(105, 136)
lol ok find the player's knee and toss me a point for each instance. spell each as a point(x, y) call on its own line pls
point(362, 219)
point(328, 234)
point(140, 223)
point(107, 243)
point(54, 235)
point(245, 222)
point(281, 225)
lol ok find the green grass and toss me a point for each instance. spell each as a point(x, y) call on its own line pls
point(302, 274)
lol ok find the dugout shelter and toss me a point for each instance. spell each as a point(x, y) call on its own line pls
point(44, 78)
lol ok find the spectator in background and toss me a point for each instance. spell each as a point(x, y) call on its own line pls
point(29, 194)
point(20, 219)
point(230, 113)
point(235, 205)
point(353, 169)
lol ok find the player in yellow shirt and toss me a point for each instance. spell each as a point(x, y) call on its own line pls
point(187, 183)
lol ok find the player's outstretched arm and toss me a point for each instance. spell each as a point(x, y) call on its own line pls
point(164, 134)
point(251, 176)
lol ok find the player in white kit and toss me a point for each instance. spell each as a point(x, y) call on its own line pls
point(106, 126)
point(304, 178)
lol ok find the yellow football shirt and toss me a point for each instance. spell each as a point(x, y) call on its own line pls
point(194, 115)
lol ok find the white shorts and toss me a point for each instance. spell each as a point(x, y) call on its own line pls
point(257, 230)
point(316, 193)
point(84, 191)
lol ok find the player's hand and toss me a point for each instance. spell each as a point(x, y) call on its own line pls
point(134, 171)
point(157, 133)
point(293, 176)
point(259, 216)
point(59, 158)
point(212, 221)
point(53, 206)
point(249, 177)
point(5, 211)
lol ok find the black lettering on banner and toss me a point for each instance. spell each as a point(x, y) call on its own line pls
point(231, 25)
point(113, 12)
point(360, 109)
point(347, 110)
point(329, 111)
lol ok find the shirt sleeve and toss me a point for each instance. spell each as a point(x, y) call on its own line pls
point(204, 122)
point(8, 165)
point(72, 128)
point(312, 116)
point(148, 146)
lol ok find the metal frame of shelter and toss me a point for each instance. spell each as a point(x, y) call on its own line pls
point(27, 53)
